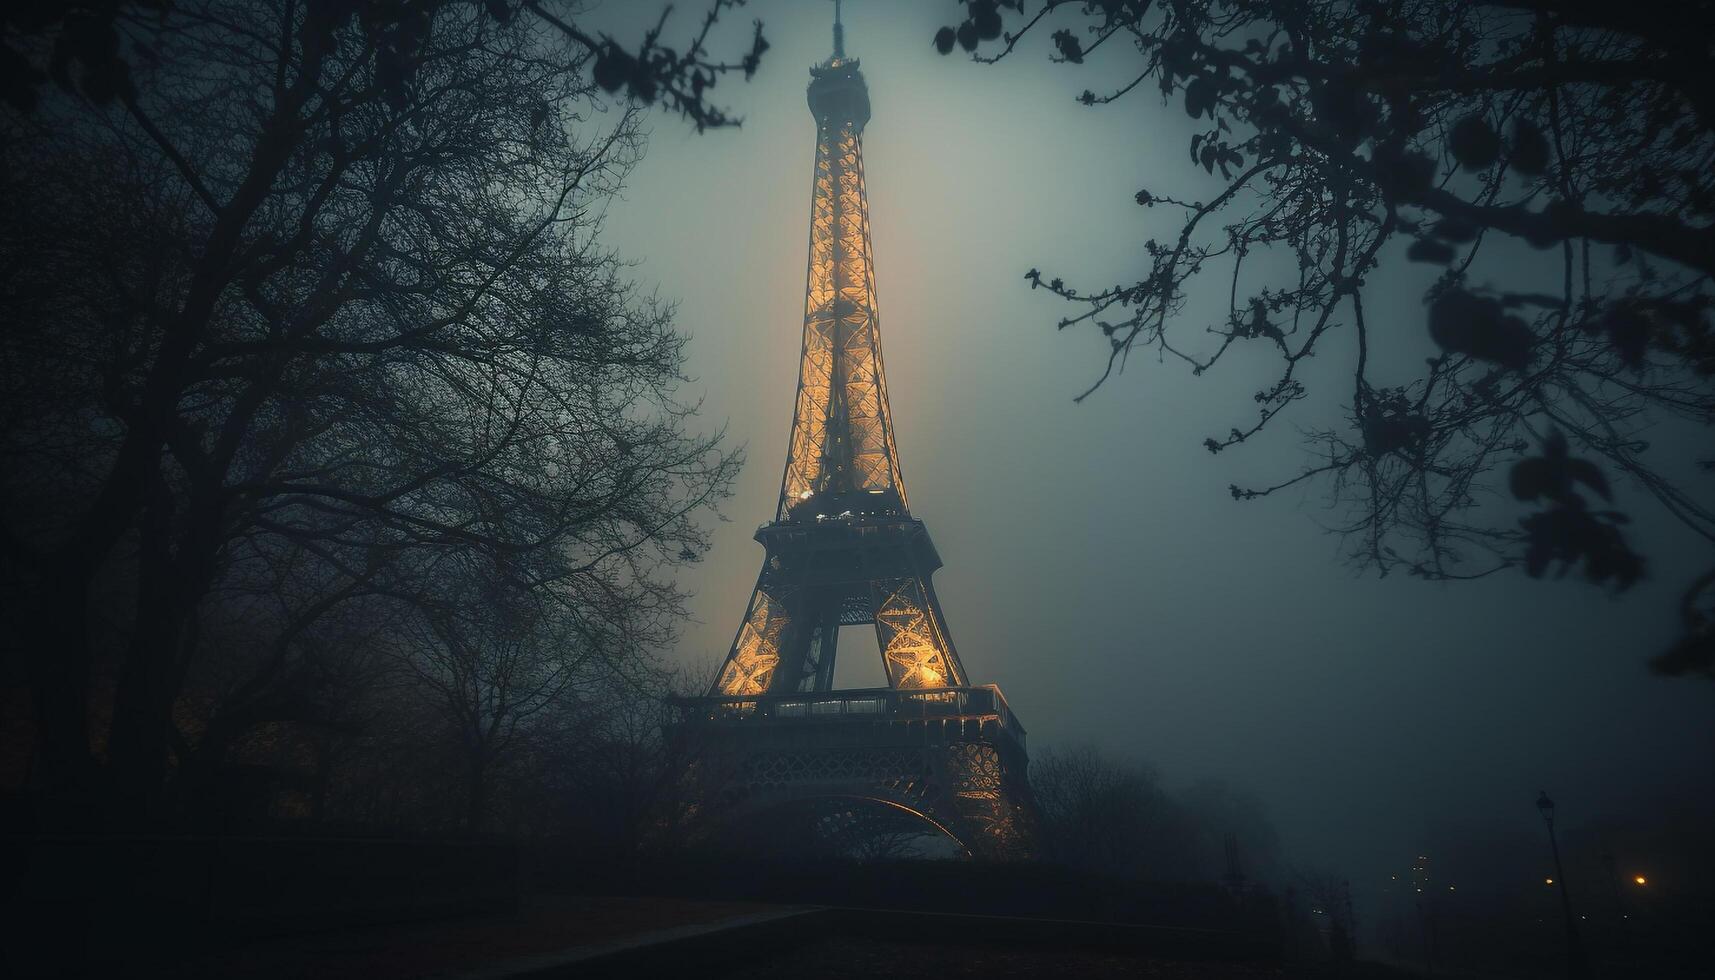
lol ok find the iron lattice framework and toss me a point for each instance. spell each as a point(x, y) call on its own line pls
point(844, 550)
point(952, 759)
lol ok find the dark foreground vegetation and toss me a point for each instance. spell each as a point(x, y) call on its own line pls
point(1552, 160)
point(342, 461)
point(1121, 874)
point(185, 906)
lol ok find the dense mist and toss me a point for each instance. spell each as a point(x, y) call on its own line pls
point(1097, 568)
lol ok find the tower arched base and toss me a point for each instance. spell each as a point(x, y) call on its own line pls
point(952, 758)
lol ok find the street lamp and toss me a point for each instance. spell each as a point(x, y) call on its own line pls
point(1577, 967)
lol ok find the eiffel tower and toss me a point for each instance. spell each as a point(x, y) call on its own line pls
point(844, 550)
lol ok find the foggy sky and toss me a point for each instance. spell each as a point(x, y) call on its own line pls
point(1096, 568)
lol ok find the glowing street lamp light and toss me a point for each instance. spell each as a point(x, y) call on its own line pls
point(1640, 879)
point(1577, 967)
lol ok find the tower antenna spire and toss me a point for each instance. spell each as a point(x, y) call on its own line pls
point(839, 33)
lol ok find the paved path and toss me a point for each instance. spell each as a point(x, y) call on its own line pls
point(548, 964)
point(546, 929)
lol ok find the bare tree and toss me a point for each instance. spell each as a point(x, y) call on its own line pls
point(314, 297)
point(1109, 817)
point(498, 670)
point(1347, 135)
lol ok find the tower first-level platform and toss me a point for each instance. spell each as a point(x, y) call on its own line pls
point(950, 758)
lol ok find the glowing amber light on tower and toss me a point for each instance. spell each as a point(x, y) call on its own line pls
point(1640, 879)
point(842, 430)
point(843, 549)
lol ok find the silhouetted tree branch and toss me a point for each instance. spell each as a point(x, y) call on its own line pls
point(311, 309)
point(1346, 135)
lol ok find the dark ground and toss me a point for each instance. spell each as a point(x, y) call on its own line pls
point(543, 924)
point(524, 944)
point(855, 957)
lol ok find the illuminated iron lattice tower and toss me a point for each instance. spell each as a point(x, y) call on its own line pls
point(844, 550)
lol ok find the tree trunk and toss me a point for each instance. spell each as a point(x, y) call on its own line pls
point(197, 782)
point(169, 588)
point(323, 777)
point(476, 793)
point(59, 665)
point(141, 732)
